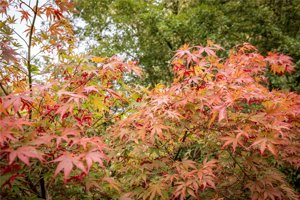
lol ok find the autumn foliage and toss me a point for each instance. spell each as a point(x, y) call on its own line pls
point(216, 132)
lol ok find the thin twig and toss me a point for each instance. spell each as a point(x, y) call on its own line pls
point(3, 89)
point(180, 148)
point(22, 2)
point(238, 164)
point(37, 54)
point(44, 4)
point(20, 37)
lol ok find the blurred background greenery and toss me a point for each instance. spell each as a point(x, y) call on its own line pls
point(151, 30)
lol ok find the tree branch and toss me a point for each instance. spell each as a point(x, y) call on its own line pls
point(22, 2)
point(180, 148)
point(29, 52)
point(43, 187)
point(238, 164)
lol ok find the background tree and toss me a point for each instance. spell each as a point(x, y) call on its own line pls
point(152, 30)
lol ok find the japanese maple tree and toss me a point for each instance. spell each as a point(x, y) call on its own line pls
point(51, 126)
point(216, 132)
point(81, 131)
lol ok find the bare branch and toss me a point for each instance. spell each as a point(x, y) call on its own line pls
point(22, 2)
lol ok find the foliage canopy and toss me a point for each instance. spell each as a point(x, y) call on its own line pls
point(83, 132)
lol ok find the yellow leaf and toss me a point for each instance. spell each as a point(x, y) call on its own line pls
point(99, 104)
point(135, 96)
point(198, 70)
point(210, 43)
point(212, 119)
point(1, 24)
point(270, 106)
point(208, 77)
point(98, 59)
point(159, 86)
point(277, 69)
point(49, 99)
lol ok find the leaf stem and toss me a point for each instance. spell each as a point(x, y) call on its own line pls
point(20, 37)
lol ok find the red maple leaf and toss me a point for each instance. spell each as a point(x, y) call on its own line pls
point(24, 15)
point(24, 153)
point(66, 163)
point(16, 101)
point(8, 53)
point(94, 156)
point(6, 134)
point(67, 135)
